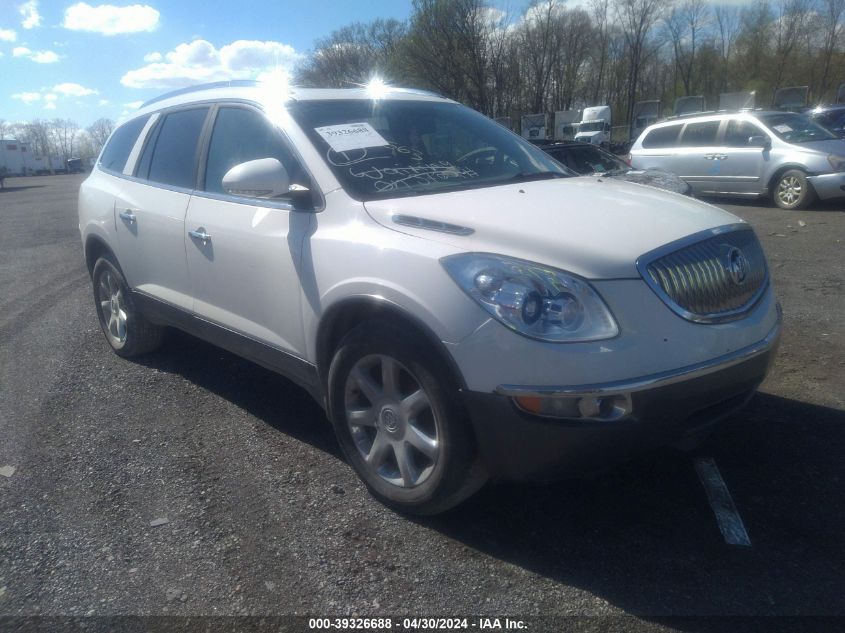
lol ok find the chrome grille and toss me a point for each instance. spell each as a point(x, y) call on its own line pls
point(715, 278)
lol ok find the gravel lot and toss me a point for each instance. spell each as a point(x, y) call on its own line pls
point(263, 517)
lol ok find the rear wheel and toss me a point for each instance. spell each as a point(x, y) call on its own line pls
point(793, 191)
point(397, 417)
point(123, 324)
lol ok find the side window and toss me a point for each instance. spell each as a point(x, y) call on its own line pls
point(172, 149)
point(121, 143)
point(241, 135)
point(738, 132)
point(701, 134)
point(662, 137)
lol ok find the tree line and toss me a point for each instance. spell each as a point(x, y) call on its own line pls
point(59, 137)
point(610, 52)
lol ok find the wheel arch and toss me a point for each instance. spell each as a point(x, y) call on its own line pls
point(96, 247)
point(345, 315)
point(780, 171)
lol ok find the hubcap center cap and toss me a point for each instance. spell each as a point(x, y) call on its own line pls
point(390, 420)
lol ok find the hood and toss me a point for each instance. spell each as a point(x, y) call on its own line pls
point(830, 146)
point(655, 178)
point(587, 135)
point(593, 227)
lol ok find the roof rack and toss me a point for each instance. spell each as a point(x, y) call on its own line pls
point(233, 83)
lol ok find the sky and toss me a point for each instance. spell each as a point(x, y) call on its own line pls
point(84, 60)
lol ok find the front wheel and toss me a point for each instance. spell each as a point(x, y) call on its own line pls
point(398, 420)
point(793, 190)
point(123, 324)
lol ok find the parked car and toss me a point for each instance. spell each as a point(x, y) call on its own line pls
point(752, 154)
point(461, 306)
point(588, 160)
point(831, 117)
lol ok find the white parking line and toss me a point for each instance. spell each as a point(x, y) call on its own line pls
point(727, 516)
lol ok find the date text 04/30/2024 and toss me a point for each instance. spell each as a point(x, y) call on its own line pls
point(418, 624)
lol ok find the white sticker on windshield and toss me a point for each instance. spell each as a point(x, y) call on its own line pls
point(782, 128)
point(342, 138)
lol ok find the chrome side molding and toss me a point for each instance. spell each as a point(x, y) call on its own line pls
point(431, 225)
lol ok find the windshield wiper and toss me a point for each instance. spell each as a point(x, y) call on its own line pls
point(536, 175)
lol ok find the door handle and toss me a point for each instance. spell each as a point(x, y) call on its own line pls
point(721, 157)
point(201, 235)
point(710, 157)
point(128, 215)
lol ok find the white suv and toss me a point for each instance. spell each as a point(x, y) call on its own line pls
point(461, 306)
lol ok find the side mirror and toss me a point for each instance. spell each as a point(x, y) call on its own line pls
point(760, 141)
point(262, 178)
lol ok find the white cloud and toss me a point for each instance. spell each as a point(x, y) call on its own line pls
point(44, 57)
point(29, 14)
point(134, 105)
point(27, 97)
point(103, 102)
point(8, 35)
point(199, 61)
point(50, 96)
point(50, 105)
point(109, 19)
point(153, 57)
point(73, 90)
point(39, 57)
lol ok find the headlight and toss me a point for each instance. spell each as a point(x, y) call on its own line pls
point(837, 162)
point(537, 301)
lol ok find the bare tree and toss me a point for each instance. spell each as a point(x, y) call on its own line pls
point(64, 133)
point(831, 14)
point(685, 24)
point(353, 54)
point(636, 19)
point(98, 133)
point(727, 28)
point(445, 49)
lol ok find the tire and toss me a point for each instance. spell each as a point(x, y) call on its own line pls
point(792, 190)
point(398, 419)
point(126, 329)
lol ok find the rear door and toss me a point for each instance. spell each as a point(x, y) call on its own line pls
point(658, 148)
point(150, 208)
point(245, 271)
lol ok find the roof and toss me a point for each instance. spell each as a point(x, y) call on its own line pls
point(264, 92)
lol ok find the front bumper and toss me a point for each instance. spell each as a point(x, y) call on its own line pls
point(671, 408)
point(828, 186)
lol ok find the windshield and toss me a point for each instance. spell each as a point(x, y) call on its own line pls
point(586, 159)
point(591, 126)
point(394, 148)
point(794, 128)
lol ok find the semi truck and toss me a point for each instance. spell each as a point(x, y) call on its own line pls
point(595, 124)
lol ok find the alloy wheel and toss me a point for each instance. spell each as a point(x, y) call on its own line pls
point(790, 190)
point(112, 307)
point(392, 421)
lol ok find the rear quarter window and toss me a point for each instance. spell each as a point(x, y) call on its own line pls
point(662, 137)
point(120, 144)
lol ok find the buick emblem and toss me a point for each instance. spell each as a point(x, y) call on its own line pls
point(737, 266)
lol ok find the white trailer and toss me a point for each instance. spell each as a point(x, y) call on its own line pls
point(566, 124)
point(11, 157)
point(595, 125)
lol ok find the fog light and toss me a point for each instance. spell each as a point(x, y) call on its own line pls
point(602, 408)
point(549, 407)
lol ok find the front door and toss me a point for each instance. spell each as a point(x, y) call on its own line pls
point(697, 157)
point(243, 254)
